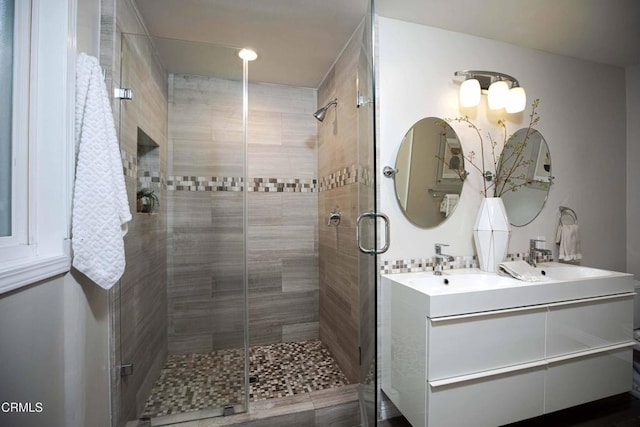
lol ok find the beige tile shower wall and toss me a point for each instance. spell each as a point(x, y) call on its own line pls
point(338, 254)
point(205, 227)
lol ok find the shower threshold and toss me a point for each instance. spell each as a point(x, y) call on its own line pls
point(305, 409)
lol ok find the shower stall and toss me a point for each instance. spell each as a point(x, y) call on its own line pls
point(236, 290)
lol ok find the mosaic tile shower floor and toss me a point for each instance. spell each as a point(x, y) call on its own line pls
point(191, 382)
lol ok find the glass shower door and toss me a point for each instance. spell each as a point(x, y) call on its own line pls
point(181, 325)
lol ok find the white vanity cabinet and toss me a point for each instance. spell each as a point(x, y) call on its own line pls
point(513, 361)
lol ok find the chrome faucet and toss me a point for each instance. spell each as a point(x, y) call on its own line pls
point(437, 265)
point(534, 250)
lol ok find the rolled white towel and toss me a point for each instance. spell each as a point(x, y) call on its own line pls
point(521, 270)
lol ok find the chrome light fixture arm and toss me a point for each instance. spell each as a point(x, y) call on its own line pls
point(485, 78)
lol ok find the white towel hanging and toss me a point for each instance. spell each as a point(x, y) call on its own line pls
point(100, 204)
point(448, 204)
point(568, 240)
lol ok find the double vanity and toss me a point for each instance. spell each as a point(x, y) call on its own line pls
point(475, 348)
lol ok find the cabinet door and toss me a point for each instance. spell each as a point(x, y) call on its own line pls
point(460, 345)
point(583, 378)
point(575, 326)
point(488, 401)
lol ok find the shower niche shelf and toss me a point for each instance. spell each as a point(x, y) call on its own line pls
point(148, 175)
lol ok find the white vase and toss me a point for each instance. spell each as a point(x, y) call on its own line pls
point(491, 233)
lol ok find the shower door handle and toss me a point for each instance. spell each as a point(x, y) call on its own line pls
point(387, 232)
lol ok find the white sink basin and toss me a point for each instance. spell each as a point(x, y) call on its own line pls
point(461, 280)
point(471, 290)
point(557, 271)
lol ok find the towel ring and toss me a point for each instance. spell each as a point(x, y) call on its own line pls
point(565, 211)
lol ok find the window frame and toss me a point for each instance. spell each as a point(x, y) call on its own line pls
point(41, 249)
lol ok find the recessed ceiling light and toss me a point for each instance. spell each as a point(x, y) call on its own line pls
point(247, 54)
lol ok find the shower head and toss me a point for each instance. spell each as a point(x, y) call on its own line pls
point(321, 112)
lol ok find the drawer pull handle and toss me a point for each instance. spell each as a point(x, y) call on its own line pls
point(588, 300)
point(486, 374)
point(525, 366)
point(590, 352)
point(531, 308)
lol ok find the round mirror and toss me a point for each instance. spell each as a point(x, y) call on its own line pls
point(525, 165)
point(429, 172)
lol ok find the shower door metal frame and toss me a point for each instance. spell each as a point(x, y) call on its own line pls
point(366, 102)
point(245, 225)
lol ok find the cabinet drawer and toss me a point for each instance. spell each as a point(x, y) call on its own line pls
point(583, 378)
point(459, 345)
point(582, 325)
point(490, 401)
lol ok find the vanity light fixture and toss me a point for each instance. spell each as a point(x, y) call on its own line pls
point(503, 90)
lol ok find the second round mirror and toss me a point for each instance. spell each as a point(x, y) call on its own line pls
point(526, 162)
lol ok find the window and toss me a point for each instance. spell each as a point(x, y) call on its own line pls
point(36, 138)
point(6, 96)
point(15, 17)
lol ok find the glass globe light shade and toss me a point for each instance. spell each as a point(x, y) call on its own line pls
point(470, 93)
point(498, 92)
point(516, 100)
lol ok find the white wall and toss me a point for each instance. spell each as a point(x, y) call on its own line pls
point(32, 352)
point(86, 349)
point(582, 111)
point(54, 351)
point(633, 172)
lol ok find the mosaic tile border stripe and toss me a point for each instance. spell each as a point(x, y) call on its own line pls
point(346, 176)
point(204, 183)
point(258, 185)
point(148, 179)
point(129, 164)
point(283, 185)
point(339, 178)
point(416, 265)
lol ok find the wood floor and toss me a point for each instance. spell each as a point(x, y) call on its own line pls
point(617, 411)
